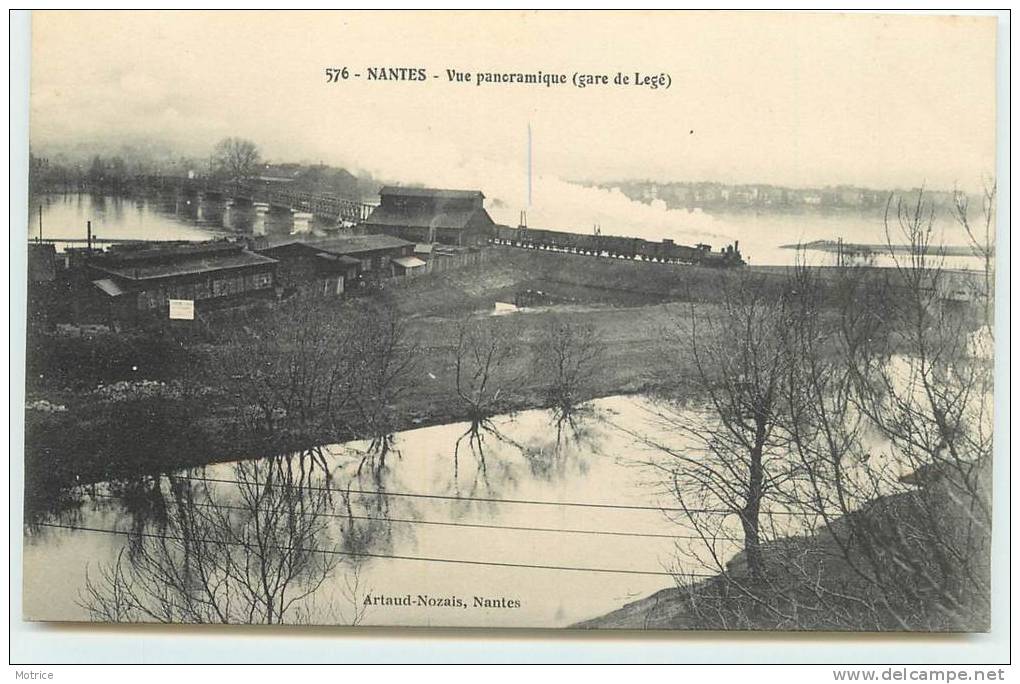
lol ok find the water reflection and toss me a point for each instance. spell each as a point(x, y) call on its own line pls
point(252, 549)
point(334, 525)
point(163, 216)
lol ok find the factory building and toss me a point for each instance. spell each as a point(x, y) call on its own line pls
point(429, 215)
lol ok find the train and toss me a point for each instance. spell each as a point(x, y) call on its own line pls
point(619, 247)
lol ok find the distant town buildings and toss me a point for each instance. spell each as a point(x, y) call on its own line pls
point(710, 195)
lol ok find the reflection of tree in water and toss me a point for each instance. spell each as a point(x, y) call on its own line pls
point(489, 476)
point(366, 512)
point(373, 459)
point(567, 455)
point(253, 550)
point(501, 462)
point(64, 507)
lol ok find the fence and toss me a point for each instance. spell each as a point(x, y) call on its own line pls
point(441, 262)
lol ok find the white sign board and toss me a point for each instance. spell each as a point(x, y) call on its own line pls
point(182, 309)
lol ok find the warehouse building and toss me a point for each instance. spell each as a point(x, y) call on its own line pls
point(307, 271)
point(429, 215)
point(143, 278)
point(378, 256)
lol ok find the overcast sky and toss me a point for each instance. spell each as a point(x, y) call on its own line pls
point(882, 101)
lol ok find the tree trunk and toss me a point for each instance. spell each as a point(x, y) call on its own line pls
point(749, 517)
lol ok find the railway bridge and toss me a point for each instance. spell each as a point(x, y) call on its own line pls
point(274, 195)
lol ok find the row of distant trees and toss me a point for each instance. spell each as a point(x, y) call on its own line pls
point(231, 160)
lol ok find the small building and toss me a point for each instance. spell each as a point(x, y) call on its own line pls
point(42, 262)
point(142, 277)
point(305, 270)
point(408, 266)
point(46, 293)
point(376, 255)
point(453, 217)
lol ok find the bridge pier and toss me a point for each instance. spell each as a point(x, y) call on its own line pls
point(258, 226)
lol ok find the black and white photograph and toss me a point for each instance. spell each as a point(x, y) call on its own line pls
point(656, 321)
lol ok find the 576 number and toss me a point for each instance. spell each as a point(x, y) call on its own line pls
point(335, 75)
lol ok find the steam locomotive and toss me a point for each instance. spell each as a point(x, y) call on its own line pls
point(619, 247)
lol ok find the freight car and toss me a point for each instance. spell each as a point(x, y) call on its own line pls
point(617, 247)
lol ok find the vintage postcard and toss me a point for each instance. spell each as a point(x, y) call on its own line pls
point(591, 320)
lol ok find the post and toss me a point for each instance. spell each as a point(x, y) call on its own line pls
point(88, 237)
point(40, 223)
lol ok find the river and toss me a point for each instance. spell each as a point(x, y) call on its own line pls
point(168, 217)
point(560, 525)
point(163, 217)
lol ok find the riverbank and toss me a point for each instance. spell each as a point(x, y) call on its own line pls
point(825, 581)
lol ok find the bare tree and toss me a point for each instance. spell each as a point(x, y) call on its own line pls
point(735, 462)
point(290, 368)
point(380, 367)
point(982, 238)
point(236, 159)
point(484, 378)
point(830, 438)
point(930, 395)
point(567, 359)
point(890, 417)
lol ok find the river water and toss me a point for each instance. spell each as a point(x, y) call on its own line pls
point(166, 217)
point(553, 526)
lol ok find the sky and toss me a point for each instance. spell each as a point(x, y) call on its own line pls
point(804, 100)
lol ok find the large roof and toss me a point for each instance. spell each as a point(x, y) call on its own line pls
point(354, 244)
point(164, 251)
point(451, 217)
point(437, 193)
point(189, 265)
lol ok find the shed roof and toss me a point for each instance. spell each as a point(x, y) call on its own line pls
point(438, 193)
point(184, 266)
point(408, 262)
point(109, 287)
